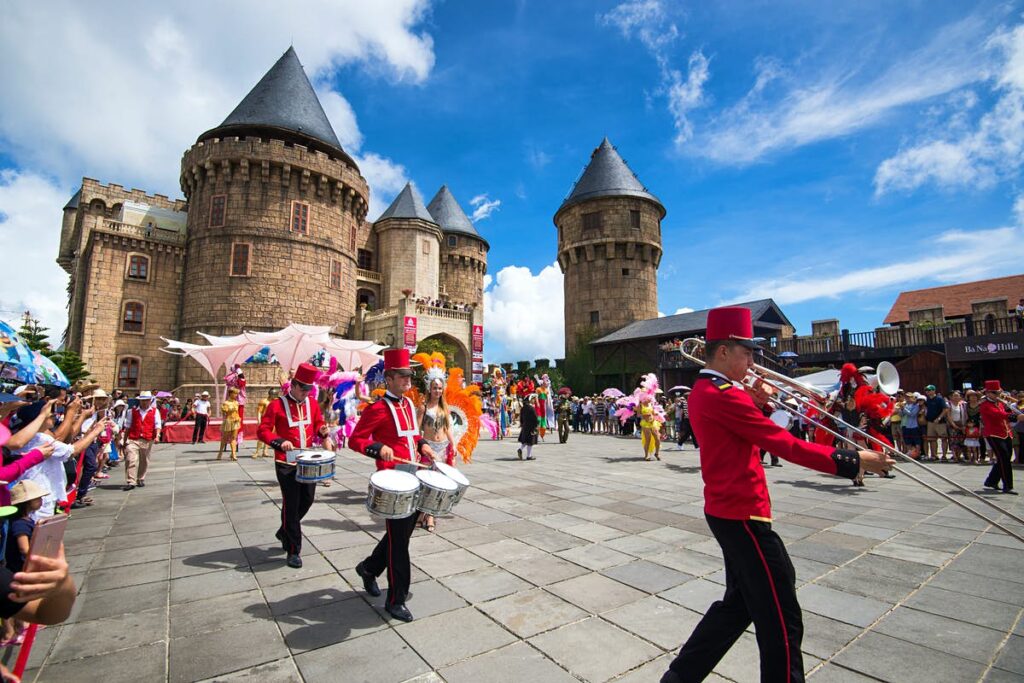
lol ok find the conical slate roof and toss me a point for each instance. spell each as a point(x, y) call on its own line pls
point(607, 175)
point(73, 202)
point(283, 100)
point(449, 215)
point(408, 204)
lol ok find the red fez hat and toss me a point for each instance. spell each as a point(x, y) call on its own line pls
point(397, 360)
point(993, 385)
point(305, 374)
point(731, 323)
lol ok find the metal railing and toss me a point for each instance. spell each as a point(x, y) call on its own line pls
point(369, 275)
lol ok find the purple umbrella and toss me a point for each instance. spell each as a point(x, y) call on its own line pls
point(164, 394)
point(612, 393)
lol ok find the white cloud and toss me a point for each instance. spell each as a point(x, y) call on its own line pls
point(1018, 209)
point(954, 256)
point(649, 22)
point(524, 314)
point(959, 155)
point(483, 207)
point(122, 105)
point(385, 177)
point(684, 309)
point(537, 157)
point(789, 108)
point(30, 218)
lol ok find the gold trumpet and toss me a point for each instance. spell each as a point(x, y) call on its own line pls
point(798, 391)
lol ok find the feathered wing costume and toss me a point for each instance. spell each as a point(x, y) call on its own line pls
point(632, 404)
point(851, 380)
point(464, 405)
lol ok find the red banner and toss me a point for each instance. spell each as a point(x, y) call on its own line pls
point(478, 353)
point(409, 336)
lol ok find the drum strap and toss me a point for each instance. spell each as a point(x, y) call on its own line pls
point(410, 433)
point(302, 421)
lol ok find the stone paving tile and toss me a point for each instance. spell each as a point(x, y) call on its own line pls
point(531, 612)
point(362, 661)
point(210, 585)
point(903, 551)
point(695, 564)
point(217, 613)
point(890, 659)
point(485, 584)
point(594, 556)
point(1011, 658)
point(108, 603)
point(547, 570)
point(595, 593)
point(281, 671)
point(550, 540)
point(994, 614)
point(656, 620)
point(823, 637)
point(449, 562)
point(1004, 589)
point(204, 655)
point(507, 551)
point(102, 636)
point(292, 596)
point(445, 639)
point(328, 624)
point(958, 637)
point(594, 649)
point(647, 576)
point(515, 663)
point(471, 536)
point(146, 663)
point(846, 607)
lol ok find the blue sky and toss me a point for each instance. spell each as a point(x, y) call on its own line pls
point(827, 155)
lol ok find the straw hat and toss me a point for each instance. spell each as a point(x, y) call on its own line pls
point(26, 490)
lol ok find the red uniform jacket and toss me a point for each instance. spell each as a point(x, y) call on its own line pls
point(731, 429)
point(274, 427)
point(376, 428)
point(143, 427)
point(995, 420)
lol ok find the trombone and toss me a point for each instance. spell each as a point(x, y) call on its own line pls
point(888, 381)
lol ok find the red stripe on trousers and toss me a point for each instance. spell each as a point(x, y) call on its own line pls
point(775, 596)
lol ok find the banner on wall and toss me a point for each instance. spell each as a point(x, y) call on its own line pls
point(409, 333)
point(478, 353)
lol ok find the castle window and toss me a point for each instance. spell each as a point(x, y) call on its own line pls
point(300, 218)
point(352, 238)
point(595, 317)
point(625, 271)
point(335, 274)
point(634, 220)
point(365, 259)
point(240, 266)
point(218, 203)
point(138, 267)
point(426, 246)
point(453, 241)
point(592, 220)
point(480, 247)
point(134, 315)
point(366, 296)
point(128, 372)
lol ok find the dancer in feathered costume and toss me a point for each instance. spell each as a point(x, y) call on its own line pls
point(850, 379)
point(543, 401)
point(463, 404)
point(877, 407)
point(643, 402)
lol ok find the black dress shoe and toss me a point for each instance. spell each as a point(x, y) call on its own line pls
point(141, 484)
point(369, 580)
point(400, 612)
point(128, 487)
point(294, 561)
point(1010, 492)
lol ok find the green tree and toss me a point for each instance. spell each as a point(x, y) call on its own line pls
point(579, 364)
point(439, 345)
point(35, 335)
point(71, 364)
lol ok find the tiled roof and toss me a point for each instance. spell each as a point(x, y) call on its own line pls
point(684, 324)
point(607, 175)
point(449, 215)
point(408, 204)
point(956, 299)
point(73, 202)
point(283, 100)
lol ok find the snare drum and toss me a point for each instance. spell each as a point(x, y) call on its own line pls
point(314, 466)
point(392, 494)
point(455, 475)
point(437, 492)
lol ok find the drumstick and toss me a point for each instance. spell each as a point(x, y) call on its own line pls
point(409, 462)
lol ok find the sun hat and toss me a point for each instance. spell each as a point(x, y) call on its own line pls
point(26, 490)
point(145, 396)
point(120, 402)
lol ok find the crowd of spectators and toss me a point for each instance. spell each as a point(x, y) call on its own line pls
point(442, 302)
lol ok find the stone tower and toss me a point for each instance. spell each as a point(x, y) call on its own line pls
point(609, 248)
point(274, 208)
point(408, 242)
point(463, 251)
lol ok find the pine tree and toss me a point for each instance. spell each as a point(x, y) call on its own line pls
point(35, 335)
point(71, 364)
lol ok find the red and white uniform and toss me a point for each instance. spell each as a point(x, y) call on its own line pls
point(141, 425)
point(732, 432)
point(286, 419)
point(391, 422)
point(995, 420)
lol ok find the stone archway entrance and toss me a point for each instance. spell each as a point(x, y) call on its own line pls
point(458, 349)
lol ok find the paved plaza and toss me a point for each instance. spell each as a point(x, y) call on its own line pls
point(587, 564)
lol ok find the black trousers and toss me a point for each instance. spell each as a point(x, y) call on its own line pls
point(563, 431)
point(199, 430)
point(296, 499)
point(760, 586)
point(1002, 469)
point(89, 467)
point(392, 554)
point(684, 431)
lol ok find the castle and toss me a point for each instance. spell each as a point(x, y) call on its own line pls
point(272, 231)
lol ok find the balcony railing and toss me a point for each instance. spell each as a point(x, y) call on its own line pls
point(368, 275)
point(381, 314)
point(438, 312)
point(145, 233)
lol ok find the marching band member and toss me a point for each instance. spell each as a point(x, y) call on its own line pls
point(995, 426)
point(760, 582)
point(288, 424)
point(388, 433)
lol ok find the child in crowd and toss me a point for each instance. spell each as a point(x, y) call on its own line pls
point(972, 442)
point(27, 496)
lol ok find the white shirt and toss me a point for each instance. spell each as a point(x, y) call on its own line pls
point(49, 474)
point(201, 407)
point(157, 421)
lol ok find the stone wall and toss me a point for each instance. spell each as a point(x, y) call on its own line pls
point(408, 250)
point(463, 268)
point(998, 307)
point(290, 273)
point(610, 270)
